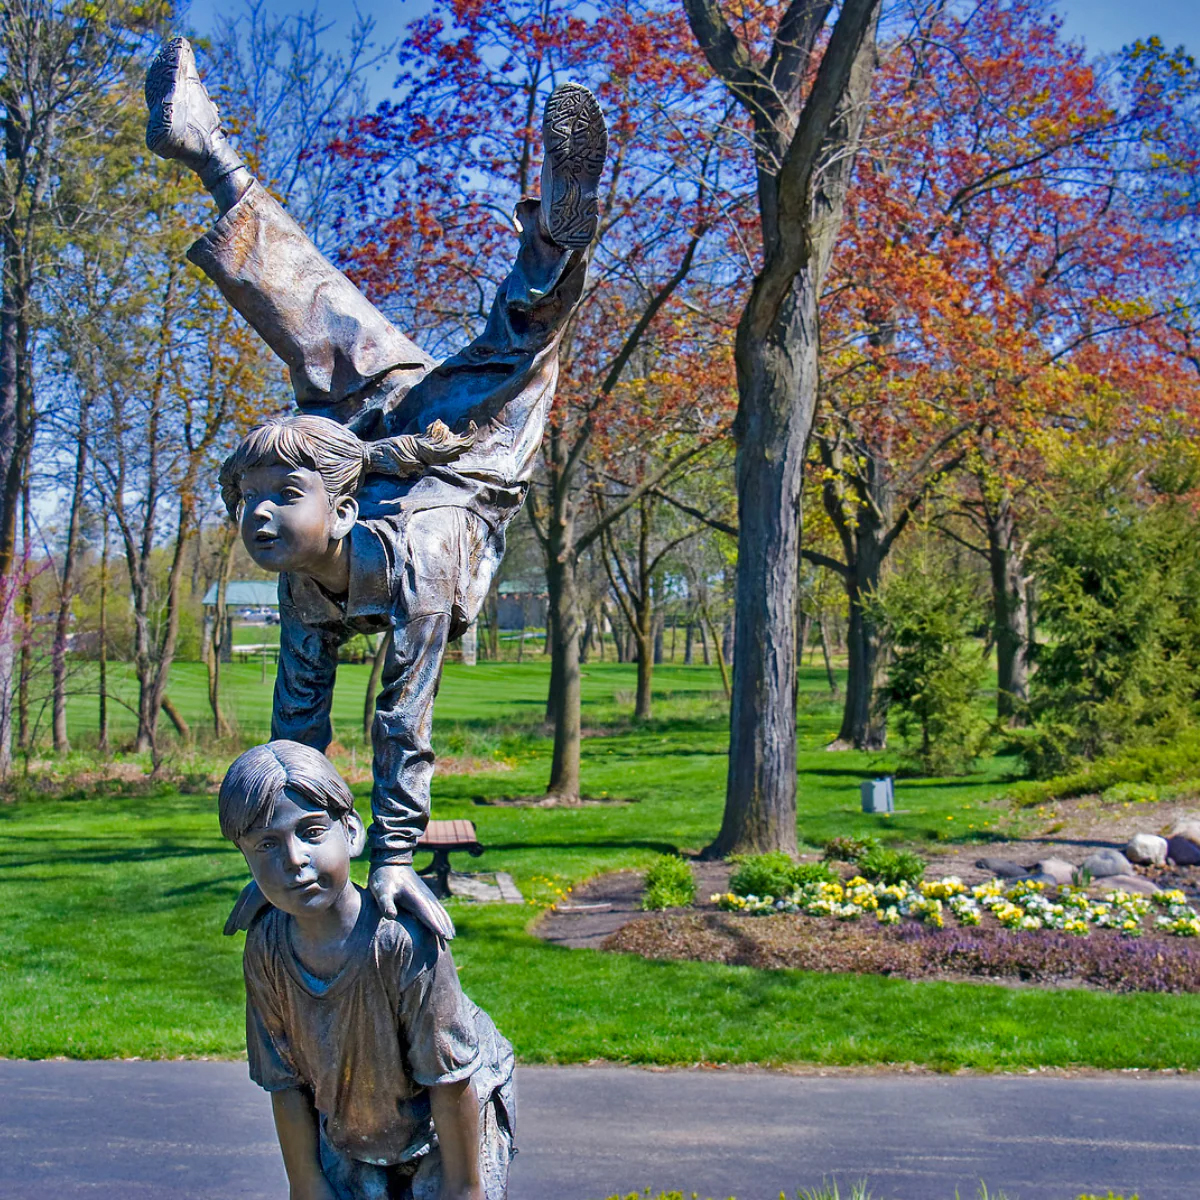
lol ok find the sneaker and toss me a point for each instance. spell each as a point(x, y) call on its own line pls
point(576, 141)
point(184, 123)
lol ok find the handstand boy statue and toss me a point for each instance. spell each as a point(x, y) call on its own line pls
point(384, 505)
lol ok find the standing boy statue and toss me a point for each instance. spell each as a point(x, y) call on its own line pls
point(386, 1082)
point(413, 555)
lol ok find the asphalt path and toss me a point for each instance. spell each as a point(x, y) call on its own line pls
point(128, 1130)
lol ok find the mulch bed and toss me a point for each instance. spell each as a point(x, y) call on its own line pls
point(1104, 959)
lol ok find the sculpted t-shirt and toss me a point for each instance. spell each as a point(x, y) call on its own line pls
point(367, 1042)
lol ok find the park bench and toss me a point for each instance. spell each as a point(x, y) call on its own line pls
point(444, 838)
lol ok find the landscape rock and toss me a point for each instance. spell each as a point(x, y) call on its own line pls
point(1183, 851)
point(1106, 862)
point(1134, 884)
point(1188, 827)
point(1147, 848)
point(1058, 869)
point(1038, 877)
point(1003, 868)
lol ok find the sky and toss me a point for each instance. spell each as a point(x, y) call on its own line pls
point(1103, 25)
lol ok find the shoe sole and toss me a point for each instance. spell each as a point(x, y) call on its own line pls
point(576, 141)
point(169, 66)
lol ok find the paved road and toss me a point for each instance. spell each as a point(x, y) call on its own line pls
point(184, 1130)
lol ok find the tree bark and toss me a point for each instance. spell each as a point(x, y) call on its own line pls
point(565, 687)
point(777, 390)
point(102, 649)
point(215, 650)
point(58, 654)
point(864, 719)
point(176, 718)
point(804, 152)
point(24, 732)
point(825, 653)
point(492, 610)
point(1010, 604)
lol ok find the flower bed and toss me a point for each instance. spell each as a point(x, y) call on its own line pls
point(1018, 906)
point(918, 950)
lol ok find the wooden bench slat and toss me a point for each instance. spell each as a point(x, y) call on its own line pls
point(449, 833)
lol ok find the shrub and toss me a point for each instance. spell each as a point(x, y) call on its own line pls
point(892, 866)
point(774, 874)
point(928, 618)
point(1130, 793)
point(669, 884)
point(1117, 597)
point(1170, 763)
point(848, 849)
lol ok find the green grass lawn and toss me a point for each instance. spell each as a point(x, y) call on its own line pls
point(111, 939)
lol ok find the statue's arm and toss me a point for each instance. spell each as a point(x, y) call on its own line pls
point(456, 1119)
point(296, 1126)
point(304, 681)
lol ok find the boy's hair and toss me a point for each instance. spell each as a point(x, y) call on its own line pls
point(321, 445)
point(257, 779)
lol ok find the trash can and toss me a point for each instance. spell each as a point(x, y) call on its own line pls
point(878, 795)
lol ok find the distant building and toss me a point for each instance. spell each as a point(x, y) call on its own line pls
point(242, 596)
point(523, 602)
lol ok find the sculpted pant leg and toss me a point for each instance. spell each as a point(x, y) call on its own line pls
point(449, 559)
point(338, 347)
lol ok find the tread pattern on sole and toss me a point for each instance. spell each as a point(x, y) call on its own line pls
point(160, 79)
point(576, 145)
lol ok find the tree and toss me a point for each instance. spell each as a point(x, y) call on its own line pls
point(929, 614)
point(1118, 582)
point(995, 248)
point(804, 98)
point(61, 64)
point(643, 357)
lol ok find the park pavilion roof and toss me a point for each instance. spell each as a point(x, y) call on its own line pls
point(246, 593)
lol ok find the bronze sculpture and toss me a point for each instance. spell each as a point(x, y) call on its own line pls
point(385, 1080)
point(383, 506)
point(420, 553)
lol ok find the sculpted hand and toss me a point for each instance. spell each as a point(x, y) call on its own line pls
point(399, 886)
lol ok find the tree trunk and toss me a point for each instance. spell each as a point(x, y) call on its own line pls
point(58, 654)
point(712, 633)
point(469, 644)
point(864, 720)
point(644, 636)
point(565, 689)
point(1010, 604)
point(825, 653)
point(24, 732)
point(219, 635)
point(176, 718)
point(102, 649)
point(13, 298)
point(777, 390)
point(492, 609)
point(687, 644)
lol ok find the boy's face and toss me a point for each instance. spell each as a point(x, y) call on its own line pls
point(301, 857)
point(287, 522)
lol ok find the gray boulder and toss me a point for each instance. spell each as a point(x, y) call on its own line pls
point(1188, 827)
point(1183, 851)
point(1003, 868)
point(1106, 862)
point(1058, 869)
point(1147, 848)
point(1133, 884)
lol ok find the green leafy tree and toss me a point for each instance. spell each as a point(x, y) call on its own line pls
point(1117, 581)
point(936, 667)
